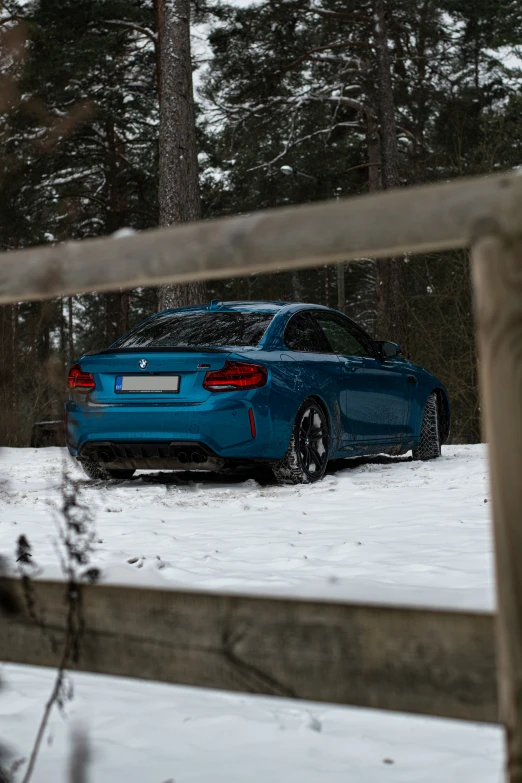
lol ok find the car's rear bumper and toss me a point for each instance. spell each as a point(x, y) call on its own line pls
point(220, 426)
point(148, 455)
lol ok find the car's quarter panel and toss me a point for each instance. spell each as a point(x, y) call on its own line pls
point(313, 372)
point(302, 375)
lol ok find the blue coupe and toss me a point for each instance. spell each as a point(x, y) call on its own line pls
point(220, 386)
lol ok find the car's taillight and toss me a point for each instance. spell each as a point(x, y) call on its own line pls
point(84, 381)
point(236, 375)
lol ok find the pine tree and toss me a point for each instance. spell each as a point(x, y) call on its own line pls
point(81, 161)
point(179, 199)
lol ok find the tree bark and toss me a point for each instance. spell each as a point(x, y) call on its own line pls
point(7, 423)
point(70, 329)
point(297, 288)
point(373, 143)
point(179, 199)
point(341, 288)
point(115, 303)
point(392, 311)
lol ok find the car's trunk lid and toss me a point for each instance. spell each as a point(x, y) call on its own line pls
point(117, 371)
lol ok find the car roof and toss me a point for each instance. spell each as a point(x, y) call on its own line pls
point(247, 307)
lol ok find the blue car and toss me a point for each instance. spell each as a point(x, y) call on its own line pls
point(221, 386)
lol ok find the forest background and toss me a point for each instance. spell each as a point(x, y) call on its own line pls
point(354, 96)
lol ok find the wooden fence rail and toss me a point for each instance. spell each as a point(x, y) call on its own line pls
point(421, 219)
point(409, 659)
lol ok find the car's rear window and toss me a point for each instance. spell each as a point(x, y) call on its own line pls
point(213, 329)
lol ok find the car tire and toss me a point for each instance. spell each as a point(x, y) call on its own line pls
point(429, 441)
point(307, 456)
point(97, 472)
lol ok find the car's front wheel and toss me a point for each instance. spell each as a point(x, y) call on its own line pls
point(429, 441)
point(307, 455)
point(96, 471)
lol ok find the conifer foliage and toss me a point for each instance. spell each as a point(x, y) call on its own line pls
point(97, 132)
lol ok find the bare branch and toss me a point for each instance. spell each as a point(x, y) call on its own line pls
point(337, 60)
point(301, 140)
point(333, 45)
point(131, 26)
point(351, 102)
point(361, 166)
point(48, 708)
point(344, 15)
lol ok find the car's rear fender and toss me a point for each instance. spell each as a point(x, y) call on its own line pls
point(289, 390)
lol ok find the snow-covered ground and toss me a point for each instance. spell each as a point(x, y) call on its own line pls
point(387, 529)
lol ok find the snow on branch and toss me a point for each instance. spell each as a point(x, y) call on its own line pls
point(135, 27)
point(342, 99)
point(290, 145)
point(344, 15)
point(242, 111)
point(326, 47)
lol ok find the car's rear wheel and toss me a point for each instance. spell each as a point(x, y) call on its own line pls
point(96, 471)
point(429, 442)
point(307, 455)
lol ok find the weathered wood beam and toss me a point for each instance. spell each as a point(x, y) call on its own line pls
point(497, 277)
point(420, 219)
point(414, 660)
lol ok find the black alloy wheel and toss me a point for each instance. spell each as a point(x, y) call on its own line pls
point(307, 455)
point(313, 441)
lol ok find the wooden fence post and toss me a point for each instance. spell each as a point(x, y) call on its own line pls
point(497, 277)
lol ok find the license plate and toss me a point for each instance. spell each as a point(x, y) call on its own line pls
point(147, 384)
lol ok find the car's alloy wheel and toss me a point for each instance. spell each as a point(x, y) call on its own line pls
point(307, 455)
point(429, 442)
point(96, 471)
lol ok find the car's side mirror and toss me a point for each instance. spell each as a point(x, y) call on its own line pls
point(387, 349)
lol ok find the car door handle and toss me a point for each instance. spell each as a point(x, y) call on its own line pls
point(350, 366)
point(412, 379)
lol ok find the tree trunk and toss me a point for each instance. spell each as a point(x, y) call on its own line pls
point(341, 288)
point(7, 418)
point(297, 288)
point(70, 329)
point(392, 311)
point(373, 143)
point(179, 200)
point(39, 329)
point(63, 348)
point(117, 303)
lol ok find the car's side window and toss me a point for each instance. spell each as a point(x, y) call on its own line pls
point(342, 337)
point(302, 334)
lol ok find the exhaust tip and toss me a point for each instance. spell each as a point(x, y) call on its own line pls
point(196, 457)
point(182, 457)
point(104, 456)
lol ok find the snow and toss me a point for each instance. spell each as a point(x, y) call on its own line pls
point(126, 231)
point(152, 733)
point(416, 531)
point(373, 530)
